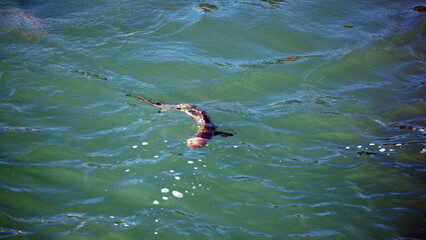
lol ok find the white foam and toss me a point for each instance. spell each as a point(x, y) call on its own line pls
point(177, 177)
point(190, 162)
point(155, 202)
point(144, 143)
point(177, 194)
point(382, 149)
point(135, 146)
point(165, 190)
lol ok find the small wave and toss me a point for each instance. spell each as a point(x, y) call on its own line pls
point(276, 61)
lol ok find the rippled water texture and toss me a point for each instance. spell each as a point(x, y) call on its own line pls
point(326, 100)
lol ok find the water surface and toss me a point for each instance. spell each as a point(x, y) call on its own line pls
point(327, 100)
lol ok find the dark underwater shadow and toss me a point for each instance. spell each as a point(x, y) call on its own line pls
point(17, 18)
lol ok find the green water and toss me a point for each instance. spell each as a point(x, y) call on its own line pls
point(326, 100)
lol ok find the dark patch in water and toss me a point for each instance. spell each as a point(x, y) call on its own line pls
point(322, 102)
point(415, 128)
point(72, 216)
point(297, 205)
point(274, 1)
point(119, 222)
point(407, 127)
point(269, 62)
point(184, 214)
point(279, 61)
point(331, 113)
point(176, 154)
point(271, 4)
point(208, 227)
point(268, 4)
point(18, 129)
point(347, 26)
point(6, 233)
point(327, 100)
point(291, 101)
point(224, 64)
point(89, 74)
point(393, 138)
point(247, 179)
point(361, 153)
point(419, 8)
point(19, 19)
point(98, 165)
point(205, 7)
point(287, 102)
point(402, 126)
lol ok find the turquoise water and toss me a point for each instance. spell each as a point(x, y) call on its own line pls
point(326, 100)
